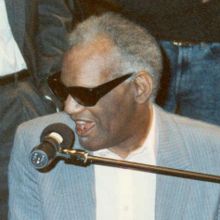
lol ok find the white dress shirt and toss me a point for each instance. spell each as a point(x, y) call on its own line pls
point(124, 194)
point(11, 59)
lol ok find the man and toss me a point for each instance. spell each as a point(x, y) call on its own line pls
point(26, 59)
point(118, 120)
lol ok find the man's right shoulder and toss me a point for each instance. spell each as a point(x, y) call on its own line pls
point(28, 133)
point(43, 121)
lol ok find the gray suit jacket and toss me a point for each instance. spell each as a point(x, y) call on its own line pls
point(67, 191)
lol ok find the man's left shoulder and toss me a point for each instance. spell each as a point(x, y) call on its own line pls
point(197, 135)
point(189, 125)
point(197, 127)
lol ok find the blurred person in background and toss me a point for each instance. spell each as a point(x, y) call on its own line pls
point(30, 50)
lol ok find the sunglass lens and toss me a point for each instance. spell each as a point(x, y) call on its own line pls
point(60, 92)
point(83, 96)
point(57, 87)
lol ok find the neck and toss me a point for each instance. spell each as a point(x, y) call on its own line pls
point(137, 139)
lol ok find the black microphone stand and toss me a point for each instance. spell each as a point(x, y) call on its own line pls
point(83, 158)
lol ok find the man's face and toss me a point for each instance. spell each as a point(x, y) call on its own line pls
point(108, 123)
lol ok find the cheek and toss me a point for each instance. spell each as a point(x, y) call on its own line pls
point(116, 112)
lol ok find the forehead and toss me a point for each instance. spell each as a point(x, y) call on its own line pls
point(90, 64)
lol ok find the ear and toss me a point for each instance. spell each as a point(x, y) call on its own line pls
point(143, 83)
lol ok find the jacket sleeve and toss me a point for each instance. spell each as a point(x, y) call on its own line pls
point(24, 199)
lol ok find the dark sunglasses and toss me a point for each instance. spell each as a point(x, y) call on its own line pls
point(84, 96)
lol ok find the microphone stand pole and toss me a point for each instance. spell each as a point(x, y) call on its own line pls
point(83, 158)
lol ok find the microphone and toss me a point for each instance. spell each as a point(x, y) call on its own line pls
point(53, 138)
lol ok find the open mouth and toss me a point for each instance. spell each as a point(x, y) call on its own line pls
point(83, 127)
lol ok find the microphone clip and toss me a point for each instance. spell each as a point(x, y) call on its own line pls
point(76, 157)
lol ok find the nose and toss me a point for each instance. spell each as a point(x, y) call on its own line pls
point(71, 106)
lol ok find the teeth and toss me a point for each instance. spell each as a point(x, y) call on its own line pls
point(80, 122)
point(81, 125)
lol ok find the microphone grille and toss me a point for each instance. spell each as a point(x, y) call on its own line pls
point(67, 136)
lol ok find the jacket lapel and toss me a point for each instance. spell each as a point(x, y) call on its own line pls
point(172, 193)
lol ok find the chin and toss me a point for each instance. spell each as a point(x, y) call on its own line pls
point(90, 144)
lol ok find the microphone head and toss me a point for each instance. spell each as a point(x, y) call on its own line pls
point(53, 137)
point(39, 159)
point(63, 130)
